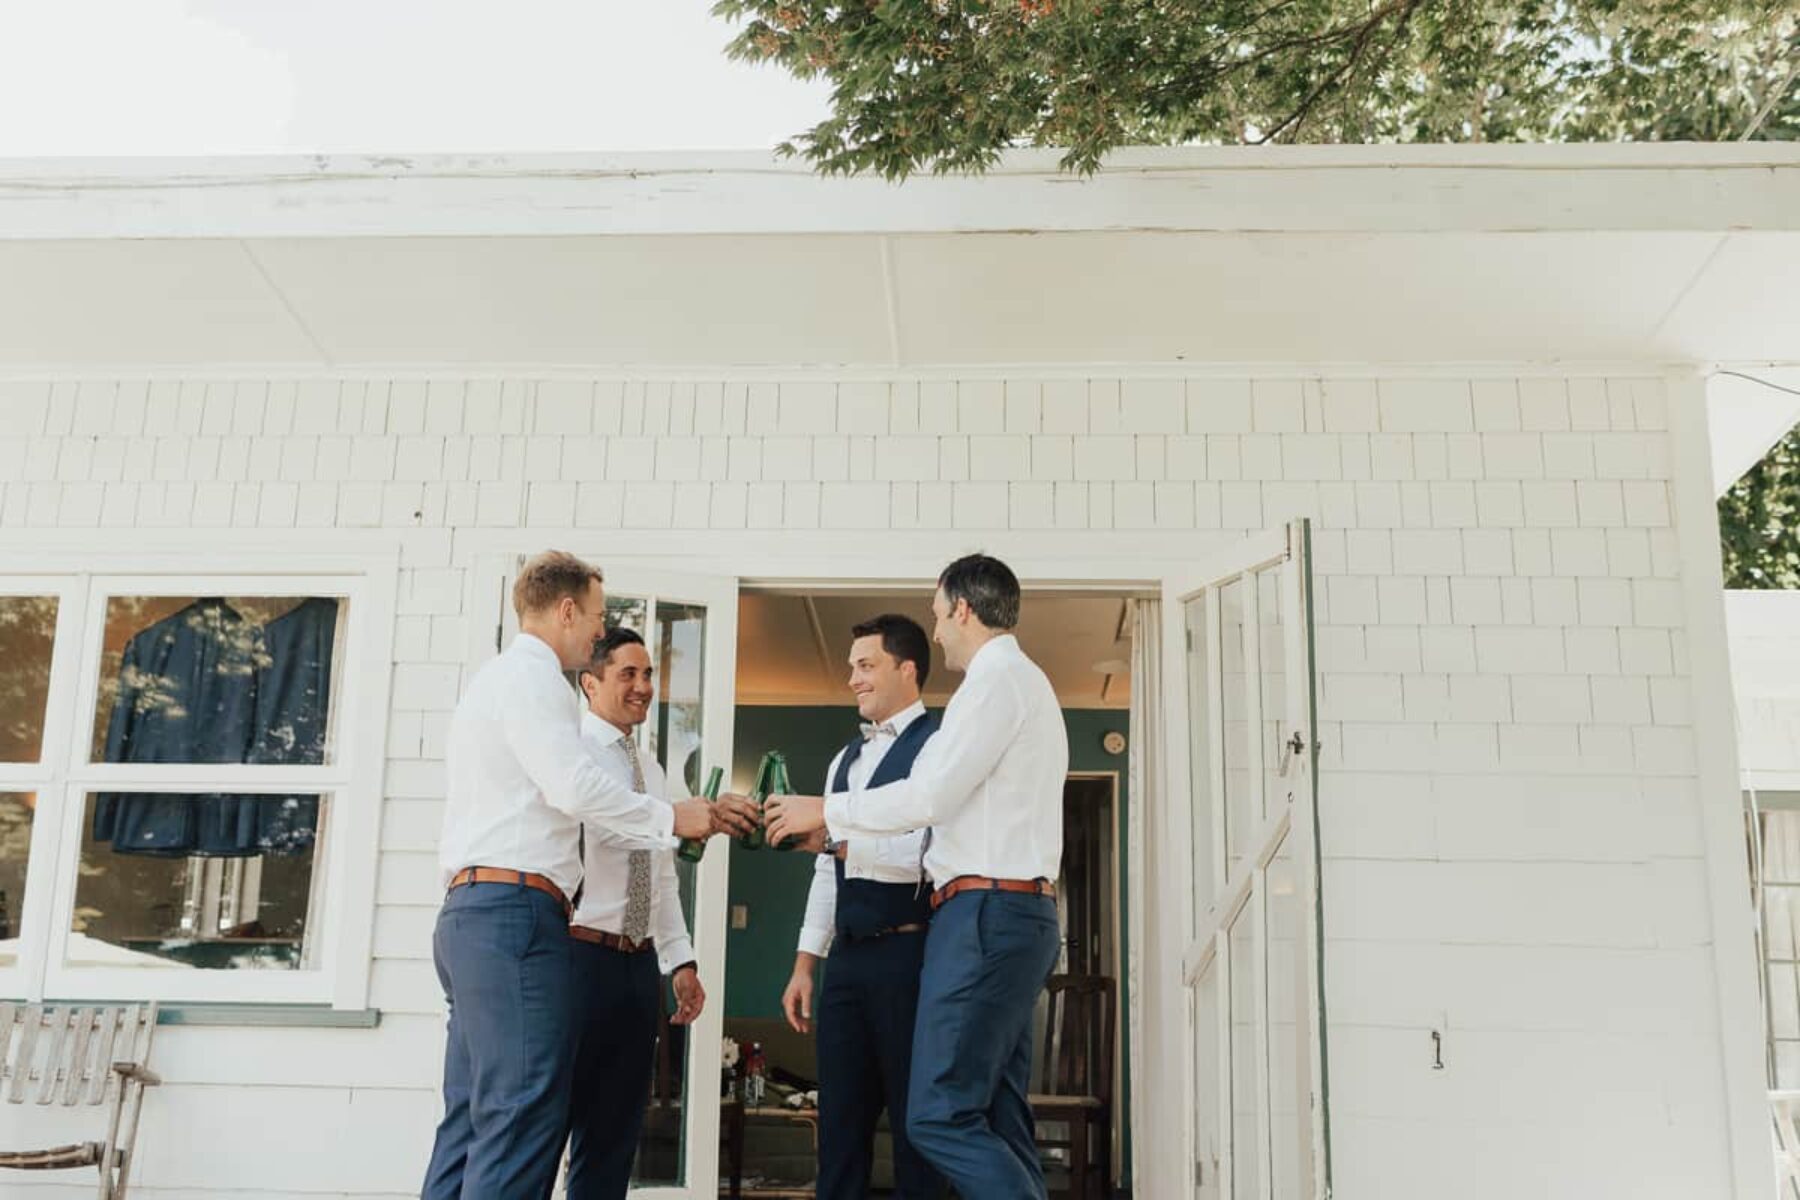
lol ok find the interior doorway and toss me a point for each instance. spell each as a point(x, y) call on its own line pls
point(792, 695)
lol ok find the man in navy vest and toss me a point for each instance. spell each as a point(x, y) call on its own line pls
point(869, 910)
point(989, 789)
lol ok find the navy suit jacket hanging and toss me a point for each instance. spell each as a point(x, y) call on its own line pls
point(207, 685)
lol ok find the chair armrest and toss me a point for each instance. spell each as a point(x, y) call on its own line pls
point(136, 1071)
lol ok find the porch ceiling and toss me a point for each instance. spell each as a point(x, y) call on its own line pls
point(1178, 257)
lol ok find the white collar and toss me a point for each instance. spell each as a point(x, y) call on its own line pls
point(609, 733)
point(1003, 645)
point(532, 644)
point(903, 718)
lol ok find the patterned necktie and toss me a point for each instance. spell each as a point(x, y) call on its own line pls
point(871, 731)
point(637, 879)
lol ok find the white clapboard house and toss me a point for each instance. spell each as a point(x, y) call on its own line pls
point(1367, 492)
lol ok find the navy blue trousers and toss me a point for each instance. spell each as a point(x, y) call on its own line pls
point(986, 959)
point(616, 998)
point(502, 954)
point(867, 1010)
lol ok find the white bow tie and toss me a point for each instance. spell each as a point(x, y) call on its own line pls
point(871, 731)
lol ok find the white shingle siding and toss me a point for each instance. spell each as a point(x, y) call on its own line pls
point(1513, 853)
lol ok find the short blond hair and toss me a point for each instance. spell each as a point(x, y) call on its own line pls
point(546, 578)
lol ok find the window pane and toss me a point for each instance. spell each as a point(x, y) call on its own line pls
point(16, 809)
point(1208, 1150)
point(1200, 757)
point(1276, 790)
point(1246, 1097)
point(27, 635)
point(243, 679)
point(140, 905)
point(1241, 814)
point(681, 678)
point(681, 672)
point(628, 612)
point(1290, 1132)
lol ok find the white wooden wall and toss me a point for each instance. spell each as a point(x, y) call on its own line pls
point(1512, 830)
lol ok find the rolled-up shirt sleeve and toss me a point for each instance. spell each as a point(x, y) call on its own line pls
point(544, 729)
point(978, 726)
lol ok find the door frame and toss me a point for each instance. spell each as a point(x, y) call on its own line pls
point(1139, 564)
point(1120, 857)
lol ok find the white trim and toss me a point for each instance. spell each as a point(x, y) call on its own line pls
point(653, 372)
point(1735, 962)
point(1498, 188)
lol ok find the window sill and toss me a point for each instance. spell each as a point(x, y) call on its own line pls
point(287, 1016)
point(276, 1016)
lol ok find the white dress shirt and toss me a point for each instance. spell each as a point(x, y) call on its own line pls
point(608, 861)
point(989, 783)
point(520, 778)
point(892, 859)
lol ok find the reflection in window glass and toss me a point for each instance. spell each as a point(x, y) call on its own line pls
point(629, 612)
point(27, 636)
point(149, 909)
point(16, 809)
point(244, 679)
point(680, 674)
point(240, 680)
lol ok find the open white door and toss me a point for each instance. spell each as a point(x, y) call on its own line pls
point(689, 623)
point(1238, 685)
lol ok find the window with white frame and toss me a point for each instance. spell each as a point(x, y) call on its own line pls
point(178, 756)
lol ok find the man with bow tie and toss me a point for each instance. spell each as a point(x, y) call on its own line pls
point(988, 789)
point(628, 931)
point(868, 909)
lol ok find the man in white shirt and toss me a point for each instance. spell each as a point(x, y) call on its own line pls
point(520, 783)
point(628, 932)
point(989, 787)
point(868, 910)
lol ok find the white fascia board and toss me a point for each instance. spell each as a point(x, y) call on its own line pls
point(1302, 189)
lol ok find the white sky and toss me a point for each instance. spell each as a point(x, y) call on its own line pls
point(215, 77)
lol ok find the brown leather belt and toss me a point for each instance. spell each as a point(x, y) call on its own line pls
point(981, 883)
point(542, 883)
point(615, 941)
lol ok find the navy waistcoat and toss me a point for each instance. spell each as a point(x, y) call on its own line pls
point(865, 907)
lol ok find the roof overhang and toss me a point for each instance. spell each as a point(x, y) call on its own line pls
point(1649, 254)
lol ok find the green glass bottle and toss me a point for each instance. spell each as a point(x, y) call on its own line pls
point(691, 849)
point(779, 786)
point(756, 839)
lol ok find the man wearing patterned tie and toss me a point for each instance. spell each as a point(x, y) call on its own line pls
point(521, 786)
point(627, 932)
point(868, 909)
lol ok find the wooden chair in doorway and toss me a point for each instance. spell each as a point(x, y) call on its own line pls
point(1078, 1076)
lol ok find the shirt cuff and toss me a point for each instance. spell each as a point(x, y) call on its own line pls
point(665, 821)
point(816, 942)
point(678, 951)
